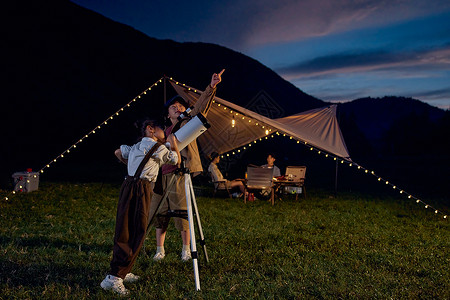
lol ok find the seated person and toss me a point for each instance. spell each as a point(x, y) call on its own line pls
point(217, 175)
point(270, 164)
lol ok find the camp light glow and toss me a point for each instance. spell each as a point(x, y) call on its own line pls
point(336, 158)
point(409, 196)
point(97, 127)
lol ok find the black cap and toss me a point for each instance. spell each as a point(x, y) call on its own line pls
point(178, 99)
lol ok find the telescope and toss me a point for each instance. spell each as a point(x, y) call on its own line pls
point(191, 130)
point(186, 113)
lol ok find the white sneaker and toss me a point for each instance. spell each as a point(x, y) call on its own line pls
point(158, 256)
point(186, 255)
point(130, 278)
point(114, 284)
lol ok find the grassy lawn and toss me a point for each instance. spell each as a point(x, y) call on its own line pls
point(56, 243)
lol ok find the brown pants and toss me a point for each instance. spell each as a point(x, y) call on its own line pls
point(131, 224)
point(176, 200)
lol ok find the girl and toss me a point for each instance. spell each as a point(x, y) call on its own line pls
point(135, 198)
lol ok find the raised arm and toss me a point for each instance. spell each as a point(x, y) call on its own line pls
point(203, 103)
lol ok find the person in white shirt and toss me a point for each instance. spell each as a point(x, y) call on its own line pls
point(217, 175)
point(135, 198)
point(270, 165)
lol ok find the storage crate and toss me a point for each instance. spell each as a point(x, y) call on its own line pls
point(293, 189)
point(26, 181)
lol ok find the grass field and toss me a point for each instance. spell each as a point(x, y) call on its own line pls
point(56, 243)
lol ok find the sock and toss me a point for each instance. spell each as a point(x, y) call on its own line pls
point(186, 247)
point(160, 249)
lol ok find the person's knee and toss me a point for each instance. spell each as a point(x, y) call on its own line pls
point(181, 224)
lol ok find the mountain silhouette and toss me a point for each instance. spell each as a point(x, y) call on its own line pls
point(66, 69)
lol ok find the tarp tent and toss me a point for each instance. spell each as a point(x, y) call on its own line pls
point(233, 126)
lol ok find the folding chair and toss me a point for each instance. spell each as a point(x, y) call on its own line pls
point(219, 185)
point(259, 179)
point(297, 173)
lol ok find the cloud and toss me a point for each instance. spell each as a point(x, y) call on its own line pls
point(438, 94)
point(367, 61)
point(287, 21)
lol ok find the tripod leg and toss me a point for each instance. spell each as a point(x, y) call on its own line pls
point(199, 224)
point(188, 185)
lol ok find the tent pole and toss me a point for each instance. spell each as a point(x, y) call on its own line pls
point(165, 96)
point(336, 171)
point(336, 180)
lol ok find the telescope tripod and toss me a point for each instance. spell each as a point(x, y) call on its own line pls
point(188, 215)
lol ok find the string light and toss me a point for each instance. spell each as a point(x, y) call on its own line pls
point(351, 164)
point(98, 127)
point(326, 155)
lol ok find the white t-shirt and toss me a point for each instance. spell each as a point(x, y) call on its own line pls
point(276, 170)
point(136, 153)
point(215, 172)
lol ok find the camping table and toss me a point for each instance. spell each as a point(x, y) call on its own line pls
point(281, 183)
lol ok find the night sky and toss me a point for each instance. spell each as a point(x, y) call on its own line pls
point(333, 50)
